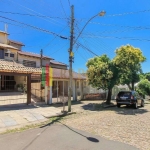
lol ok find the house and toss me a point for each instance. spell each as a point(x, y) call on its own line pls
point(21, 71)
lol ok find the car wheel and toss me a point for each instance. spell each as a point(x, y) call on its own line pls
point(118, 105)
point(142, 103)
point(136, 105)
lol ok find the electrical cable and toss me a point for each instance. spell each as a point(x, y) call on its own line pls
point(34, 27)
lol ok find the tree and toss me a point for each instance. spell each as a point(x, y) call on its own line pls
point(128, 61)
point(143, 87)
point(147, 76)
point(102, 74)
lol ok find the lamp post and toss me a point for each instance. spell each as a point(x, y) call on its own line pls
point(71, 55)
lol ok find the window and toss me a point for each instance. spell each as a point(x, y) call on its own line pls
point(28, 63)
point(6, 54)
point(12, 55)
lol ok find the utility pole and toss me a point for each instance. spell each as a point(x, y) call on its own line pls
point(41, 53)
point(71, 57)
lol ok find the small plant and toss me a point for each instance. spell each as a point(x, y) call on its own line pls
point(20, 86)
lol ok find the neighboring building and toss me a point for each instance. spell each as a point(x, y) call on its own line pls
point(20, 70)
point(59, 65)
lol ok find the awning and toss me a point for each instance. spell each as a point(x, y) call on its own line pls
point(8, 46)
point(12, 66)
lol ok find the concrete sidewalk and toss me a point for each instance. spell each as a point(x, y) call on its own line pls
point(19, 116)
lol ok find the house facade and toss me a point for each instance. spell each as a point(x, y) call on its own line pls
point(20, 70)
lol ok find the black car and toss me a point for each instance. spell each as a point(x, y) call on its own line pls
point(129, 98)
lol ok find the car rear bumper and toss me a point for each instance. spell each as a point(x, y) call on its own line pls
point(129, 102)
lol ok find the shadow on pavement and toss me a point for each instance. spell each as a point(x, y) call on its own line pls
point(20, 106)
point(66, 104)
point(124, 110)
point(92, 139)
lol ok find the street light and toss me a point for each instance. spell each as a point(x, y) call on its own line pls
point(102, 13)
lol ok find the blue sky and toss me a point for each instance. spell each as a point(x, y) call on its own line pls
point(102, 35)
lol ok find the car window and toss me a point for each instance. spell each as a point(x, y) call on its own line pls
point(124, 94)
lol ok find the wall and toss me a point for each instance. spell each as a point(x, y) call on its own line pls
point(36, 90)
point(15, 45)
point(38, 60)
point(20, 80)
point(3, 38)
point(11, 58)
point(58, 66)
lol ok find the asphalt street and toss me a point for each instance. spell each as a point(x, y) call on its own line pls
point(58, 137)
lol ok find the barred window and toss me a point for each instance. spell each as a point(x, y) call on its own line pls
point(28, 63)
point(12, 55)
point(6, 54)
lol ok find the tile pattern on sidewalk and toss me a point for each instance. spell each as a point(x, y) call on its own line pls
point(11, 116)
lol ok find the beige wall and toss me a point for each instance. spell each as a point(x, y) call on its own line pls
point(3, 38)
point(58, 66)
point(10, 58)
point(35, 90)
point(20, 80)
point(15, 45)
point(37, 60)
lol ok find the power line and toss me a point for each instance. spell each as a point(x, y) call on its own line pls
point(53, 38)
point(34, 27)
point(135, 27)
point(43, 16)
point(128, 38)
point(86, 48)
point(96, 43)
point(122, 14)
point(69, 3)
point(128, 13)
point(58, 50)
point(47, 19)
point(63, 8)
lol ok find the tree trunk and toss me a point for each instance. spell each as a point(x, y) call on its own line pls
point(132, 86)
point(109, 96)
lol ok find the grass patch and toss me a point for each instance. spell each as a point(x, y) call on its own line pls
point(50, 121)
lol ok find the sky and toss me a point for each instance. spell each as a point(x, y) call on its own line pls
point(125, 22)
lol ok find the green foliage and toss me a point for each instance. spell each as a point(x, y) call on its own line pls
point(101, 72)
point(144, 87)
point(128, 61)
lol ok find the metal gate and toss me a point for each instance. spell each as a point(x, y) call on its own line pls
point(13, 89)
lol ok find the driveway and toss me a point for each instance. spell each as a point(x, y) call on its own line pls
point(123, 124)
point(58, 137)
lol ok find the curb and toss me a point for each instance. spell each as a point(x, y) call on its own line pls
point(60, 114)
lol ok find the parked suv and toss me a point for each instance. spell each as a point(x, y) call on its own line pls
point(129, 98)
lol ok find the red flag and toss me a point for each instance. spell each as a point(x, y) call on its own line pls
point(47, 74)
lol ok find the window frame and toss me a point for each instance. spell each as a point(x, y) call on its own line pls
point(12, 54)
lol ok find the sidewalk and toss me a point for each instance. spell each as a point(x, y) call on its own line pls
point(19, 116)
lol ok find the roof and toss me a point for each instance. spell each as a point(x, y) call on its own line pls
point(4, 32)
point(57, 63)
point(32, 54)
point(64, 74)
point(16, 42)
point(12, 66)
point(8, 46)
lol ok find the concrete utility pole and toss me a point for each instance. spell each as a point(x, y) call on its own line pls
point(71, 58)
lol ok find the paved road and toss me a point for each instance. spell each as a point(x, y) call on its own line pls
point(58, 137)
